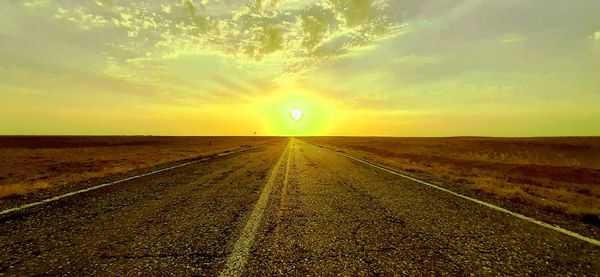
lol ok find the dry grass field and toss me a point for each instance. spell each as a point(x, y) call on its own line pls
point(30, 164)
point(555, 174)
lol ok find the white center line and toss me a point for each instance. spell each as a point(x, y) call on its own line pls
point(483, 203)
point(239, 256)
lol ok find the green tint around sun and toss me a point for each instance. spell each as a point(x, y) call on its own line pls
point(297, 113)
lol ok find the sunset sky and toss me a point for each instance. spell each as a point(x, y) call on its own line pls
point(355, 67)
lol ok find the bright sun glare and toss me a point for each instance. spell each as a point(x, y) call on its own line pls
point(296, 114)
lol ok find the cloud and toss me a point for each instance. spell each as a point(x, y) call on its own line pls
point(189, 7)
point(512, 38)
point(165, 8)
point(355, 13)
point(301, 33)
point(84, 21)
point(36, 3)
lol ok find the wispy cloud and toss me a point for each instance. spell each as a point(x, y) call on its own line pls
point(301, 32)
point(512, 38)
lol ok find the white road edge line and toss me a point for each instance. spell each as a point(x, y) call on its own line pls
point(241, 250)
point(55, 198)
point(491, 206)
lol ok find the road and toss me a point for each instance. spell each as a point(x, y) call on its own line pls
point(288, 208)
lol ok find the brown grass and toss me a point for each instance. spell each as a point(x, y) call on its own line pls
point(22, 188)
point(30, 164)
point(555, 174)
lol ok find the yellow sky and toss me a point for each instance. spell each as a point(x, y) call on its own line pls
point(357, 67)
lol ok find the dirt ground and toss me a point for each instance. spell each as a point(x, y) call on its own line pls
point(33, 163)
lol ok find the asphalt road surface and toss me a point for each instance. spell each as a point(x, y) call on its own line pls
point(288, 208)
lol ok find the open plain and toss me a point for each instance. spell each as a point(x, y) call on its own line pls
point(287, 207)
point(40, 166)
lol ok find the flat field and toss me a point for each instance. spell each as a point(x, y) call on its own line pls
point(30, 164)
point(560, 175)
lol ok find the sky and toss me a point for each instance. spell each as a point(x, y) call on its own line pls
point(354, 67)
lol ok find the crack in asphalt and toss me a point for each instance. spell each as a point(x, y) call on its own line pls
point(163, 256)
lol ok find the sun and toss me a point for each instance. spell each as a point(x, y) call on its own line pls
point(296, 114)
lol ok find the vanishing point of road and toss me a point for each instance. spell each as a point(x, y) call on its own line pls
point(285, 208)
